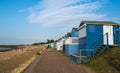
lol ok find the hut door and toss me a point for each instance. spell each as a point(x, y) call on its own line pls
point(109, 30)
point(117, 35)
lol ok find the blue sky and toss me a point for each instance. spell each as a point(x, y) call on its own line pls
point(29, 21)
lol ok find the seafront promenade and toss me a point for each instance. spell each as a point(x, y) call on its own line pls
point(52, 61)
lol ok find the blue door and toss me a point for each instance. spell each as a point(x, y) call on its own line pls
point(116, 35)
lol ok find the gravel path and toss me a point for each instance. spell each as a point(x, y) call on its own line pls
point(53, 62)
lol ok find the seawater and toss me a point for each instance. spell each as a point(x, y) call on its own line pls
point(5, 48)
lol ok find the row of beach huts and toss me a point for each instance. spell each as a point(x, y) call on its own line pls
point(88, 40)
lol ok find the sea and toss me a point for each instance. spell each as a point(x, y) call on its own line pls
point(3, 48)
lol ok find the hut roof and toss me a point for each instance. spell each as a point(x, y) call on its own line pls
point(99, 22)
point(75, 28)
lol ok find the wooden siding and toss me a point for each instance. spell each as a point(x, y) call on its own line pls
point(82, 32)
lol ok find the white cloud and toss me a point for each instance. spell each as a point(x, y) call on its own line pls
point(61, 12)
point(64, 14)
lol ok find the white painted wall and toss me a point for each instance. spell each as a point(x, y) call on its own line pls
point(70, 40)
point(109, 30)
point(60, 44)
point(82, 32)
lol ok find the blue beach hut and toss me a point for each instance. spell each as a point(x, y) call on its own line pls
point(97, 36)
point(71, 43)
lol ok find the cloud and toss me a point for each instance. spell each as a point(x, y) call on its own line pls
point(55, 13)
point(59, 16)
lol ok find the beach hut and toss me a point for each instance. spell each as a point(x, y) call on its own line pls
point(65, 38)
point(71, 43)
point(59, 44)
point(74, 32)
point(51, 45)
point(97, 36)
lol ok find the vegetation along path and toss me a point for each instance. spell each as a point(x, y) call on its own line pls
point(54, 62)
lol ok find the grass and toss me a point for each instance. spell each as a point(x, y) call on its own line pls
point(107, 62)
point(9, 65)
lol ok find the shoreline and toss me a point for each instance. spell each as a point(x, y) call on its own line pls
point(3, 49)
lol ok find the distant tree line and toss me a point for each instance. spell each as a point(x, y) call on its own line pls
point(42, 43)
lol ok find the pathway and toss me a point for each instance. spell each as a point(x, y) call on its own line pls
point(53, 62)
